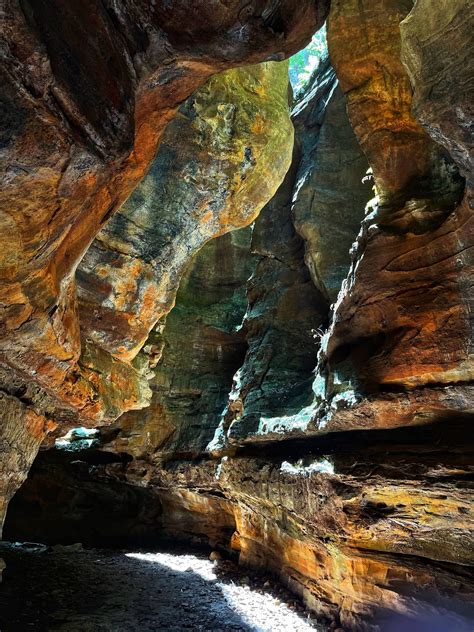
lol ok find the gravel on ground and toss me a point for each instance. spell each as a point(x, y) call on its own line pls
point(96, 590)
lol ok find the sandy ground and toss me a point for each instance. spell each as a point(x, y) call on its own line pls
point(99, 590)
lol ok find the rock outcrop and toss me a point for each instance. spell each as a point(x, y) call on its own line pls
point(303, 237)
point(436, 54)
point(221, 158)
point(374, 528)
point(416, 184)
point(89, 89)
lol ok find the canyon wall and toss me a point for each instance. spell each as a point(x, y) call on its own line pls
point(88, 92)
point(314, 420)
point(89, 89)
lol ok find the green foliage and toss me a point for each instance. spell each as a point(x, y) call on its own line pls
point(303, 63)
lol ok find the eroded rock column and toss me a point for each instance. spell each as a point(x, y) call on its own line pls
point(403, 319)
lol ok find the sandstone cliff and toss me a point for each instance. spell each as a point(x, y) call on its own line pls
point(304, 400)
point(88, 91)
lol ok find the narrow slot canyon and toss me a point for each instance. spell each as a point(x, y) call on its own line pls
point(236, 316)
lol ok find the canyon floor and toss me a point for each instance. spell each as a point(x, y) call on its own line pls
point(99, 590)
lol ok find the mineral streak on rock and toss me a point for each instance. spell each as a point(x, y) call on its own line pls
point(202, 345)
point(220, 160)
point(89, 87)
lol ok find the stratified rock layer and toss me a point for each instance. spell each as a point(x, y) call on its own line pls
point(84, 120)
point(375, 527)
point(220, 160)
point(202, 347)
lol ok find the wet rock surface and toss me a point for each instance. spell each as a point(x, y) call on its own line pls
point(73, 589)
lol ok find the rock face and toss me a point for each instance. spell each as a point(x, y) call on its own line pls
point(83, 126)
point(21, 433)
point(220, 160)
point(374, 527)
point(285, 309)
point(193, 378)
point(303, 237)
point(413, 176)
point(403, 319)
point(443, 103)
point(342, 458)
point(330, 196)
point(434, 42)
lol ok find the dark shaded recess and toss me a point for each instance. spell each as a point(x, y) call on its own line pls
point(424, 623)
point(66, 501)
point(72, 497)
point(442, 188)
point(88, 60)
point(448, 602)
point(239, 28)
point(13, 117)
point(453, 433)
point(230, 19)
point(83, 496)
point(359, 352)
point(131, 29)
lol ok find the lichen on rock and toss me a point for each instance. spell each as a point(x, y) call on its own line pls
point(219, 161)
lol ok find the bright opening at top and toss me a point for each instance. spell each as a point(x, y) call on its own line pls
point(307, 60)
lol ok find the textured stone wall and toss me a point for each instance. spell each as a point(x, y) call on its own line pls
point(403, 319)
point(342, 459)
point(203, 344)
point(220, 160)
point(88, 90)
point(330, 192)
point(285, 309)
